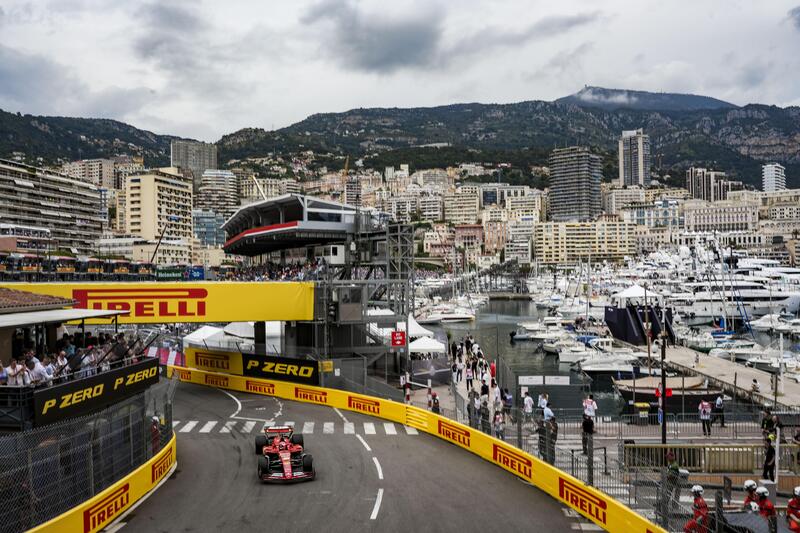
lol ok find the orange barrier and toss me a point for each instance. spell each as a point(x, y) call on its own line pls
point(601, 509)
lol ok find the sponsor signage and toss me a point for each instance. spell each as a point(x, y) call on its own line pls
point(311, 395)
point(190, 301)
point(259, 387)
point(169, 274)
point(82, 396)
point(454, 433)
point(579, 498)
point(216, 381)
point(104, 511)
point(512, 460)
point(281, 368)
point(531, 380)
point(162, 465)
point(365, 405)
point(398, 338)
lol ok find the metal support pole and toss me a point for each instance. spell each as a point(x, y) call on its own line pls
point(590, 459)
point(663, 390)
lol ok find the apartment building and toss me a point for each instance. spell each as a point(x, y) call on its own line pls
point(659, 214)
point(575, 175)
point(519, 245)
point(613, 199)
point(68, 208)
point(634, 158)
point(194, 156)
point(700, 216)
point(608, 238)
point(462, 206)
point(218, 192)
point(494, 236)
point(522, 207)
point(99, 172)
point(773, 177)
point(710, 185)
point(431, 207)
point(207, 227)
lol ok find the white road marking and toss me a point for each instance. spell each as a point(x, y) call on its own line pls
point(359, 437)
point(377, 507)
point(239, 408)
point(208, 427)
point(308, 428)
point(248, 426)
point(327, 428)
point(228, 426)
point(389, 428)
point(369, 428)
point(349, 428)
point(288, 423)
point(338, 412)
point(189, 426)
point(411, 431)
point(378, 467)
point(175, 423)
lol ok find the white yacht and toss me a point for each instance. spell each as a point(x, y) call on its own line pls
point(446, 314)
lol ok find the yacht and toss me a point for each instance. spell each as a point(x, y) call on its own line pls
point(444, 314)
point(572, 352)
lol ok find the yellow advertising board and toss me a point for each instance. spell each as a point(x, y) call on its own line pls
point(598, 507)
point(202, 301)
point(98, 512)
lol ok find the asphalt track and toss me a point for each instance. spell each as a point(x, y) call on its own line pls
point(428, 484)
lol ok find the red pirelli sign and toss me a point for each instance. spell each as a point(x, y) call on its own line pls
point(582, 500)
point(311, 395)
point(454, 433)
point(216, 381)
point(370, 407)
point(259, 388)
point(103, 512)
point(145, 303)
point(512, 460)
point(162, 466)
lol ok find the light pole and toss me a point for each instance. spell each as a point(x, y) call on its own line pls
point(170, 218)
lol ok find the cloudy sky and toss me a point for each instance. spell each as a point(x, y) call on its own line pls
point(203, 69)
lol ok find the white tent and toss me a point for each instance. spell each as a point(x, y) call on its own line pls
point(414, 329)
point(202, 335)
point(426, 345)
point(637, 293)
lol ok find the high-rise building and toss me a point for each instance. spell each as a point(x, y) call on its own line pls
point(207, 226)
point(352, 191)
point(607, 238)
point(195, 156)
point(634, 158)
point(773, 177)
point(125, 165)
point(98, 172)
point(575, 175)
point(218, 192)
point(461, 206)
point(710, 185)
point(67, 208)
point(160, 201)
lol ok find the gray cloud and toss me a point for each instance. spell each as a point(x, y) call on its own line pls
point(794, 16)
point(371, 43)
point(376, 44)
point(753, 75)
point(564, 62)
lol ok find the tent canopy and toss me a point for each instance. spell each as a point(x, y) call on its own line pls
point(414, 329)
point(636, 291)
point(426, 345)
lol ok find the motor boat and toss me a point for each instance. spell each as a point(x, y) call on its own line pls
point(541, 325)
point(686, 393)
point(446, 314)
point(573, 352)
point(741, 351)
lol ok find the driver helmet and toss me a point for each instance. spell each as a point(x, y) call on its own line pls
point(697, 489)
point(762, 492)
point(796, 491)
point(750, 485)
point(282, 444)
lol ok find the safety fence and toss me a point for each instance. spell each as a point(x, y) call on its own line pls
point(601, 508)
point(47, 471)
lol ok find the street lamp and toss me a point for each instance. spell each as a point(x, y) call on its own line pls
point(170, 218)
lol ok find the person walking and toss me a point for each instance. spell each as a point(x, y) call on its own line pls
point(769, 459)
point(541, 403)
point(673, 493)
point(454, 370)
point(527, 408)
point(468, 377)
point(719, 408)
point(459, 370)
point(508, 405)
point(590, 407)
point(704, 409)
point(586, 433)
point(547, 412)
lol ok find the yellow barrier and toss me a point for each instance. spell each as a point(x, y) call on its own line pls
point(98, 512)
point(202, 301)
point(604, 511)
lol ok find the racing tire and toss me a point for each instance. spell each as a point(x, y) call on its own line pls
point(297, 439)
point(308, 463)
point(261, 441)
point(263, 466)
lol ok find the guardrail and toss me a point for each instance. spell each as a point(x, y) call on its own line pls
point(598, 507)
point(103, 509)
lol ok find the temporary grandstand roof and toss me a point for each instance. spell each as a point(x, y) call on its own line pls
point(15, 320)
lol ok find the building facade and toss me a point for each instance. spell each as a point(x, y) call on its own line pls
point(218, 192)
point(616, 198)
point(575, 175)
point(99, 172)
point(607, 238)
point(773, 177)
point(710, 185)
point(462, 206)
point(702, 216)
point(195, 156)
point(207, 227)
point(634, 158)
point(68, 208)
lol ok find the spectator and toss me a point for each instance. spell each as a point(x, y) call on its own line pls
point(61, 364)
point(542, 401)
point(527, 408)
point(673, 478)
point(485, 422)
point(551, 426)
point(18, 374)
point(469, 377)
point(547, 412)
point(459, 370)
point(454, 370)
point(719, 409)
point(769, 459)
point(590, 407)
point(704, 409)
point(587, 432)
point(3, 375)
point(477, 408)
point(435, 403)
point(499, 426)
point(508, 404)
point(767, 424)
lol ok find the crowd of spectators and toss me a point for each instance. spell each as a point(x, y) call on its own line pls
point(309, 271)
point(74, 357)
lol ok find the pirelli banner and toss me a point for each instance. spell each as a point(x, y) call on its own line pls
point(254, 365)
point(598, 507)
point(99, 512)
point(202, 301)
point(80, 397)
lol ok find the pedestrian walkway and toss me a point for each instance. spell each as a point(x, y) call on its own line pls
point(307, 427)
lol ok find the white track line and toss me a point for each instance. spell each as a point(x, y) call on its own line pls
point(369, 428)
point(308, 428)
point(349, 428)
point(188, 426)
point(389, 428)
point(175, 423)
point(239, 408)
point(378, 467)
point(411, 431)
point(228, 426)
point(327, 428)
point(248, 426)
point(208, 427)
point(338, 412)
point(359, 437)
point(377, 507)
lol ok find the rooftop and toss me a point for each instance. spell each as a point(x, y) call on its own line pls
point(14, 301)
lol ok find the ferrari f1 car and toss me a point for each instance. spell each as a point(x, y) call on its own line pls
point(282, 457)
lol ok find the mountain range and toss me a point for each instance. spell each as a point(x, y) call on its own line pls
point(684, 129)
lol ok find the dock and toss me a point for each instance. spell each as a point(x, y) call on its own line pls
point(734, 378)
point(509, 296)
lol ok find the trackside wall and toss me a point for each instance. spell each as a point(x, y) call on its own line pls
point(604, 511)
point(100, 511)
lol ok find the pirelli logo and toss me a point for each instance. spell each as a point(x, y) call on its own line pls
point(511, 460)
point(581, 499)
point(454, 433)
point(214, 361)
point(259, 388)
point(184, 375)
point(371, 407)
point(161, 466)
point(150, 302)
point(216, 381)
point(103, 512)
point(310, 395)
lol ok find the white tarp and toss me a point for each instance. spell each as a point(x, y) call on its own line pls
point(246, 330)
point(414, 329)
point(426, 345)
point(203, 334)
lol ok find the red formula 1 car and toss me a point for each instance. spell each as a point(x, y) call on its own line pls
point(282, 457)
